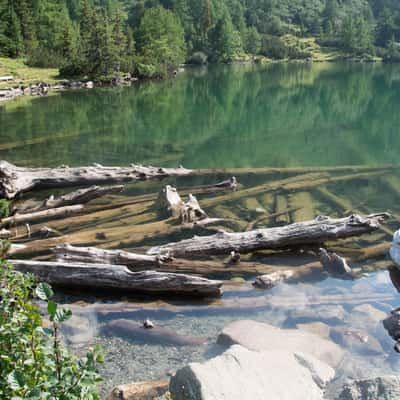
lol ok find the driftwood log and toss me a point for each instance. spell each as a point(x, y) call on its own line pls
point(310, 232)
point(80, 196)
point(41, 215)
point(68, 253)
point(15, 180)
point(118, 277)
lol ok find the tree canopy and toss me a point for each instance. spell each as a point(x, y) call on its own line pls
point(152, 37)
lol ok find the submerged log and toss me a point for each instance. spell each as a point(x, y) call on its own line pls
point(41, 215)
point(80, 196)
point(118, 277)
point(15, 180)
point(310, 232)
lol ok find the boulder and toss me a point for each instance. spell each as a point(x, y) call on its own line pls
point(241, 374)
point(139, 390)
point(317, 328)
point(332, 315)
point(356, 340)
point(370, 312)
point(269, 281)
point(264, 337)
point(380, 388)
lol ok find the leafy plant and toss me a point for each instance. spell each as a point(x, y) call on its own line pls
point(4, 208)
point(34, 364)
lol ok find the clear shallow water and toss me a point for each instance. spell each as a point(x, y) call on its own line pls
point(238, 116)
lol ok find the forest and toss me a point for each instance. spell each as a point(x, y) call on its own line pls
point(151, 38)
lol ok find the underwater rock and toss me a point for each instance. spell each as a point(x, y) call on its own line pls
point(242, 374)
point(271, 280)
point(264, 337)
point(356, 340)
point(157, 335)
point(380, 388)
point(317, 328)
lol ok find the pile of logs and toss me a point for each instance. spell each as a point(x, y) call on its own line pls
point(172, 240)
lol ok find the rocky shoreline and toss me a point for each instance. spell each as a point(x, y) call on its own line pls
point(43, 88)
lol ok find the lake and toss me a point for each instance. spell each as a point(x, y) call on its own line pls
point(279, 115)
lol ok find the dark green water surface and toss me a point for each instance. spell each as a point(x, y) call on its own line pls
point(234, 116)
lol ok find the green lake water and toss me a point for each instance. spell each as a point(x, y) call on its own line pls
point(234, 116)
point(281, 115)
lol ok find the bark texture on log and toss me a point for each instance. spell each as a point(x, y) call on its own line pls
point(15, 180)
point(316, 231)
point(80, 196)
point(40, 215)
point(68, 253)
point(106, 276)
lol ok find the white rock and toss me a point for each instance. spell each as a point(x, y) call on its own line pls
point(241, 374)
point(264, 337)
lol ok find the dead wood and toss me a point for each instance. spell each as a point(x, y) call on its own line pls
point(80, 196)
point(170, 203)
point(117, 277)
point(41, 215)
point(310, 232)
point(15, 180)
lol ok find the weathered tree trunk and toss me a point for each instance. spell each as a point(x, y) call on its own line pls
point(41, 215)
point(15, 180)
point(316, 231)
point(68, 253)
point(138, 262)
point(80, 196)
point(118, 277)
point(170, 203)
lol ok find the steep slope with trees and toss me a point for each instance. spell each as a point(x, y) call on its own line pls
point(152, 37)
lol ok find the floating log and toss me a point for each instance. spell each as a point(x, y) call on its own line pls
point(5, 234)
point(15, 180)
point(41, 215)
point(137, 262)
point(310, 232)
point(118, 277)
point(68, 253)
point(80, 196)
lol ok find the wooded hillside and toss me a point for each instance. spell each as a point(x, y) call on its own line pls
point(152, 37)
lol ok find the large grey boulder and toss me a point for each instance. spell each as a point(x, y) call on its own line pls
point(241, 374)
point(380, 388)
point(264, 337)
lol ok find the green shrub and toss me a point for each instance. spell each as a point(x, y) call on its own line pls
point(33, 362)
point(197, 58)
point(4, 208)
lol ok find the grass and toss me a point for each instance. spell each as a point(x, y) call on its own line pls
point(25, 75)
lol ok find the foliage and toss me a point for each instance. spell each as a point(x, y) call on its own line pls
point(102, 37)
point(197, 58)
point(5, 208)
point(160, 42)
point(33, 362)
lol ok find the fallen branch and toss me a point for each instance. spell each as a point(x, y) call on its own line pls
point(78, 275)
point(80, 196)
point(316, 231)
point(15, 180)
